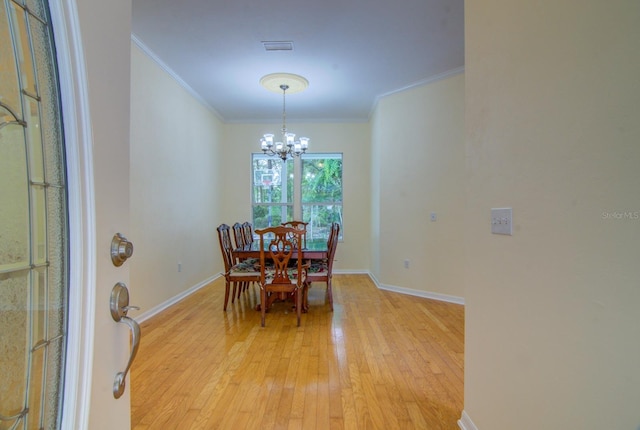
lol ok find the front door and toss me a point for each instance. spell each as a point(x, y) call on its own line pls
point(64, 168)
point(93, 43)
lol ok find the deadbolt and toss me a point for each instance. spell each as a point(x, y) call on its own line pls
point(121, 249)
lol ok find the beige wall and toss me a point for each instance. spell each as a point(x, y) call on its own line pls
point(552, 120)
point(176, 186)
point(351, 139)
point(418, 168)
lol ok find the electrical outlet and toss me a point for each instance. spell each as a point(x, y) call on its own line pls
point(434, 217)
point(179, 267)
point(502, 221)
point(406, 264)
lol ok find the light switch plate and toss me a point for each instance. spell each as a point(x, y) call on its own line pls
point(501, 221)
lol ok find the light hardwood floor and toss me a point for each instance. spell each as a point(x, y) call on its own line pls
point(380, 360)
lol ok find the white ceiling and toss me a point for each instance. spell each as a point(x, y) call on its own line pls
point(351, 51)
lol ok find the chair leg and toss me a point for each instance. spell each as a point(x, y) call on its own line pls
point(299, 294)
point(305, 297)
point(330, 293)
point(244, 288)
point(233, 294)
point(226, 294)
point(263, 305)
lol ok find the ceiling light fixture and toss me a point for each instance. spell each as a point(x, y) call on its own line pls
point(288, 146)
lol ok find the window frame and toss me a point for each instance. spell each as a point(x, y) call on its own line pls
point(296, 202)
point(285, 207)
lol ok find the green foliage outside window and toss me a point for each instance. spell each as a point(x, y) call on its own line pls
point(321, 193)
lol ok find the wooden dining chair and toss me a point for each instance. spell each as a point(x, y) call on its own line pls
point(322, 270)
point(299, 225)
point(279, 280)
point(238, 235)
point(237, 273)
point(247, 229)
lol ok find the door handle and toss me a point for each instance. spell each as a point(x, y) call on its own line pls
point(119, 305)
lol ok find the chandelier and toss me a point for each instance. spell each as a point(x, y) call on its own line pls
point(288, 146)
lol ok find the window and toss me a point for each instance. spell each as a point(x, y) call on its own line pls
point(272, 191)
point(321, 190)
point(316, 178)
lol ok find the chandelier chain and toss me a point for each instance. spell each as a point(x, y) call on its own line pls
point(284, 107)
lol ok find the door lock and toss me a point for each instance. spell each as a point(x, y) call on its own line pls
point(121, 249)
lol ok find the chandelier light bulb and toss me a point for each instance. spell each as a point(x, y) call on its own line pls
point(266, 142)
point(290, 138)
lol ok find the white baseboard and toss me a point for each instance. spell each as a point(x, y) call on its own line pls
point(351, 272)
point(419, 293)
point(465, 422)
point(173, 300)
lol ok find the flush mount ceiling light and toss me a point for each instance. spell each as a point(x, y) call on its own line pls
point(284, 82)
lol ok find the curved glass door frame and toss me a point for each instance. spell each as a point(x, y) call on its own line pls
point(82, 271)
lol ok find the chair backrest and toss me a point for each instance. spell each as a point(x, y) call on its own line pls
point(277, 244)
point(226, 248)
point(247, 229)
point(298, 225)
point(238, 235)
point(332, 244)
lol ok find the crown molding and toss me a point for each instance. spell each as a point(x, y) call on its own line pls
point(426, 81)
point(149, 53)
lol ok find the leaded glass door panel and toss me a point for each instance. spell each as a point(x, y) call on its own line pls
point(33, 221)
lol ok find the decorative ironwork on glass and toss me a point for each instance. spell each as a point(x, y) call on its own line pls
point(33, 221)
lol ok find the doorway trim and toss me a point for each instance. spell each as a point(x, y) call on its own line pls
point(82, 237)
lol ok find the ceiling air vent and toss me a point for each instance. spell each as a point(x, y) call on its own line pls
point(278, 46)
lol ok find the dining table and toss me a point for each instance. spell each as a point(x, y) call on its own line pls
point(315, 249)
